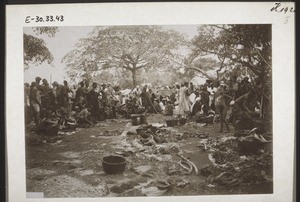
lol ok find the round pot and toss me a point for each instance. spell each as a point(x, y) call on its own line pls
point(113, 164)
point(182, 121)
point(172, 123)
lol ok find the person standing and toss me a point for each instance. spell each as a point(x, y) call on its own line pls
point(221, 108)
point(93, 101)
point(235, 87)
point(104, 98)
point(79, 95)
point(145, 96)
point(55, 93)
point(65, 95)
point(137, 93)
point(184, 102)
point(204, 94)
point(45, 87)
point(27, 103)
point(35, 102)
point(38, 81)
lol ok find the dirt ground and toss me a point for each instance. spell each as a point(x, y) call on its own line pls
point(69, 165)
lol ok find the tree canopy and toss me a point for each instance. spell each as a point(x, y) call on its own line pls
point(243, 45)
point(129, 48)
point(35, 49)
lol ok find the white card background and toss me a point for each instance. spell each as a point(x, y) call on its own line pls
point(283, 40)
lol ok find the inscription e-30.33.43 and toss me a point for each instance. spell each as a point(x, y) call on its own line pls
point(47, 18)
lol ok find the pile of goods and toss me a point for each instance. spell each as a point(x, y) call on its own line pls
point(245, 159)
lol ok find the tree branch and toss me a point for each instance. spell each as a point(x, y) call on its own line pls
point(261, 56)
point(128, 68)
point(202, 72)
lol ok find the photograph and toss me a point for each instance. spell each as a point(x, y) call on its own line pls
point(148, 110)
point(166, 101)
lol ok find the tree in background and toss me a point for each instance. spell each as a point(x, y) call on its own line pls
point(35, 49)
point(246, 45)
point(130, 48)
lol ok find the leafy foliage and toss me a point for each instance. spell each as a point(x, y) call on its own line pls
point(130, 48)
point(50, 31)
point(35, 49)
point(245, 45)
point(238, 49)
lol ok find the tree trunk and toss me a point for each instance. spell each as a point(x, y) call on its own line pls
point(134, 77)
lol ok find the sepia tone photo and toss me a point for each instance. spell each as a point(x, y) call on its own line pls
point(148, 110)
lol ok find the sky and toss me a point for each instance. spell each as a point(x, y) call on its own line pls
point(65, 40)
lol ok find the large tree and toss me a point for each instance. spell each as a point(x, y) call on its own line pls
point(35, 50)
point(129, 48)
point(243, 45)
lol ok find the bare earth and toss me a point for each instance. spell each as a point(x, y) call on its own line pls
point(70, 166)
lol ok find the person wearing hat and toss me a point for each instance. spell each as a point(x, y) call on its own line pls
point(221, 107)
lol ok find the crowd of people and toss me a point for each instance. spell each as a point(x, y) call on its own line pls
point(90, 102)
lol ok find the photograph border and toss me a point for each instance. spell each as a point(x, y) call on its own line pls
point(283, 36)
